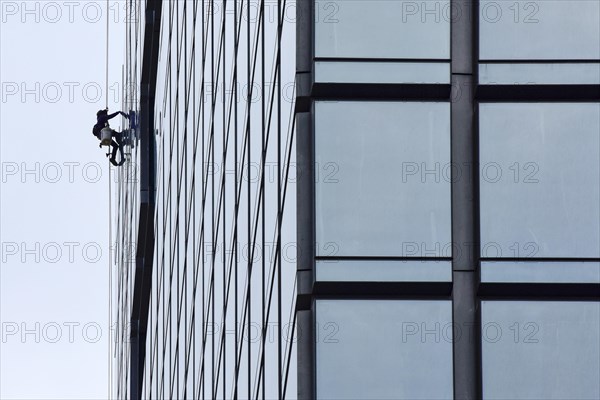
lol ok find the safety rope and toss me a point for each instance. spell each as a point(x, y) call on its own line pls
point(107, 37)
point(110, 284)
point(110, 278)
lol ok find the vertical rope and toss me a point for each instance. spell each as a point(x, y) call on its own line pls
point(107, 37)
point(110, 279)
point(109, 227)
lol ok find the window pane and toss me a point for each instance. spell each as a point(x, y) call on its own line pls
point(383, 271)
point(382, 72)
point(383, 186)
point(539, 74)
point(540, 180)
point(540, 272)
point(382, 29)
point(384, 349)
point(541, 350)
point(544, 29)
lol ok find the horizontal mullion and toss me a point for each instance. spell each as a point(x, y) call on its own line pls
point(540, 259)
point(539, 291)
point(382, 290)
point(539, 61)
point(390, 60)
point(379, 258)
point(554, 92)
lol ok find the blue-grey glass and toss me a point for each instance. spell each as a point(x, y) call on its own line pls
point(541, 272)
point(540, 180)
point(540, 350)
point(540, 74)
point(383, 184)
point(382, 29)
point(382, 72)
point(384, 349)
point(543, 29)
point(383, 271)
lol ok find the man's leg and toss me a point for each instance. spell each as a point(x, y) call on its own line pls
point(120, 139)
point(113, 156)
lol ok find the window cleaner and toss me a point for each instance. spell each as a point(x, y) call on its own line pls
point(108, 136)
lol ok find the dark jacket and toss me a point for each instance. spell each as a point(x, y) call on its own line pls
point(102, 121)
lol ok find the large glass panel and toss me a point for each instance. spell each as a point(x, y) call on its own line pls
point(382, 29)
point(543, 29)
point(540, 180)
point(540, 350)
point(383, 184)
point(384, 349)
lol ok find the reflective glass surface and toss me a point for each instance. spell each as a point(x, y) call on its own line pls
point(540, 180)
point(381, 72)
point(542, 30)
point(541, 272)
point(540, 350)
point(540, 74)
point(383, 178)
point(383, 271)
point(384, 349)
point(382, 29)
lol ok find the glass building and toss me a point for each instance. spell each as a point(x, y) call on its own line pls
point(360, 199)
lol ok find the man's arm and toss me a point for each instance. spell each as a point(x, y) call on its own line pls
point(111, 116)
point(104, 119)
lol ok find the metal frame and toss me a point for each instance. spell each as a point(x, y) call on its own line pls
point(145, 240)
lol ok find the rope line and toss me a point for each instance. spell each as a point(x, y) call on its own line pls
point(110, 278)
point(107, 38)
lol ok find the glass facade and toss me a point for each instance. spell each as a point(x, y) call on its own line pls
point(539, 194)
point(361, 200)
point(468, 220)
point(126, 184)
point(218, 284)
point(221, 322)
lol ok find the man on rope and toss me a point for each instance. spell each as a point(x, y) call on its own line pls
point(119, 139)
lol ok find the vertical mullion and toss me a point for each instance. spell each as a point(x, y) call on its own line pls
point(237, 190)
point(464, 205)
point(212, 161)
point(223, 188)
point(249, 211)
point(202, 382)
point(279, 216)
point(262, 196)
point(193, 201)
point(186, 261)
point(177, 213)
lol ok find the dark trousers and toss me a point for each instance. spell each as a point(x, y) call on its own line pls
point(117, 144)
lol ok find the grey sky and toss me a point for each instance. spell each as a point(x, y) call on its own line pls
point(55, 50)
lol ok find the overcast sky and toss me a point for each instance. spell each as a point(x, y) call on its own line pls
point(54, 196)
